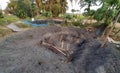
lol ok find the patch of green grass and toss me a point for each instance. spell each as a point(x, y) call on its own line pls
point(3, 21)
point(40, 17)
point(11, 18)
point(8, 19)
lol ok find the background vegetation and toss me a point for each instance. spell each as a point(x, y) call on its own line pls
point(106, 15)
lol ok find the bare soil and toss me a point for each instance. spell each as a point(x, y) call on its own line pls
point(23, 53)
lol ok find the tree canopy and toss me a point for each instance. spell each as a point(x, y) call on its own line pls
point(24, 8)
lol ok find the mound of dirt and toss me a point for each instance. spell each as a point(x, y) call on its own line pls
point(56, 49)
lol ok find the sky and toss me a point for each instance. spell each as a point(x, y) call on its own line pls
point(74, 5)
point(3, 4)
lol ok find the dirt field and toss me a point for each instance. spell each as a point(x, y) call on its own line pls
point(23, 53)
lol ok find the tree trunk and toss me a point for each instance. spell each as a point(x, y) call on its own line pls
point(50, 3)
point(37, 3)
point(110, 28)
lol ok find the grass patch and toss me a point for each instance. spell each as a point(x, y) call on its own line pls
point(4, 32)
point(40, 17)
point(8, 19)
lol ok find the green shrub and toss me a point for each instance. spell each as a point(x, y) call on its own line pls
point(21, 13)
point(47, 14)
point(56, 10)
point(68, 16)
point(80, 17)
point(1, 15)
point(76, 23)
point(90, 13)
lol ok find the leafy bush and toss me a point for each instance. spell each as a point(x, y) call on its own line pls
point(68, 16)
point(47, 14)
point(99, 15)
point(105, 14)
point(21, 13)
point(55, 11)
point(90, 13)
point(22, 8)
point(76, 23)
point(1, 15)
point(80, 17)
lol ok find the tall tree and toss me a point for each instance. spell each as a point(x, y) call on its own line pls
point(54, 6)
point(108, 13)
point(22, 8)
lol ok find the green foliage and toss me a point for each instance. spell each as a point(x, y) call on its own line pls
point(8, 19)
point(22, 8)
point(90, 13)
point(73, 10)
point(76, 23)
point(2, 21)
point(21, 13)
point(1, 14)
point(47, 14)
point(68, 16)
point(56, 7)
point(105, 13)
point(110, 15)
point(80, 17)
point(99, 14)
point(55, 10)
point(30, 9)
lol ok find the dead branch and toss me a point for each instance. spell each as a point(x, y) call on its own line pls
point(54, 48)
point(113, 23)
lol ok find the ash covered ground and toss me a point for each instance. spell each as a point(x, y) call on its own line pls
point(23, 53)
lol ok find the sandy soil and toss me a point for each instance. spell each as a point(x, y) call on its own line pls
point(22, 53)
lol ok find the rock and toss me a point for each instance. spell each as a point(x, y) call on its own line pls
point(13, 27)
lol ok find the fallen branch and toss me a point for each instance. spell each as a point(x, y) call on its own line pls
point(113, 23)
point(54, 48)
point(66, 52)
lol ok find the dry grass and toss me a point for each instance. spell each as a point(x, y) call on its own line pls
point(4, 31)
